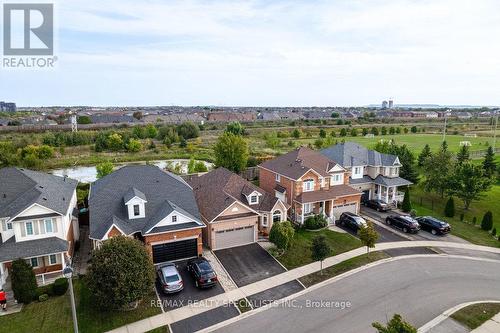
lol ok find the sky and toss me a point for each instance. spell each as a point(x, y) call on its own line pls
point(267, 53)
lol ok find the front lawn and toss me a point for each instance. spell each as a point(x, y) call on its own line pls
point(54, 315)
point(299, 253)
point(475, 315)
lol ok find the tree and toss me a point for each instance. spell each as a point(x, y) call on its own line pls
point(137, 115)
point(121, 273)
point(487, 221)
point(235, 127)
point(335, 115)
point(395, 325)
point(114, 141)
point(84, 120)
point(406, 205)
point(489, 164)
point(134, 145)
point(139, 132)
point(200, 167)
point(424, 155)
point(438, 170)
point(413, 129)
point(104, 169)
point(320, 249)
point(23, 281)
point(384, 130)
point(463, 154)
point(392, 130)
point(449, 209)
point(188, 130)
point(319, 143)
point(408, 168)
point(281, 235)
point(468, 183)
point(182, 142)
point(322, 133)
point(365, 131)
point(343, 132)
point(354, 132)
point(296, 133)
point(231, 152)
point(368, 236)
point(374, 131)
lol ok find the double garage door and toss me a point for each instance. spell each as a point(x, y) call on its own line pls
point(338, 210)
point(234, 237)
point(175, 250)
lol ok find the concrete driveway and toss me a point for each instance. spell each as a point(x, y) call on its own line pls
point(251, 263)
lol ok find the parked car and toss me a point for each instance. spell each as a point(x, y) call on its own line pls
point(169, 278)
point(378, 204)
point(433, 225)
point(405, 223)
point(202, 272)
point(352, 221)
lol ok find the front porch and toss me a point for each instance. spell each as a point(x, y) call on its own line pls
point(305, 210)
point(389, 194)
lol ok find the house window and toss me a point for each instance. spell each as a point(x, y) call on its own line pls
point(308, 185)
point(307, 208)
point(174, 218)
point(136, 210)
point(276, 216)
point(357, 170)
point(278, 177)
point(253, 199)
point(9, 225)
point(48, 226)
point(264, 221)
point(53, 259)
point(34, 262)
point(29, 228)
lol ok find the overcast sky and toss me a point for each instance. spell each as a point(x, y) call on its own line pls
point(279, 53)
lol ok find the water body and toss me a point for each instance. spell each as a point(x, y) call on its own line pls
point(88, 174)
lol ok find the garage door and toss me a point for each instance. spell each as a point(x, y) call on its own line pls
point(338, 210)
point(175, 250)
point(234, 237)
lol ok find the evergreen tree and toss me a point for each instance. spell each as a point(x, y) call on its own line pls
point(489, 165)
point(487, 222)
point(449, 209)
point(425, 154)
point(406, 206)
point(463, 154)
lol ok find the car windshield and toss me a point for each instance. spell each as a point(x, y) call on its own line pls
point(204, 267)
point(359, 220)
point(172, 278)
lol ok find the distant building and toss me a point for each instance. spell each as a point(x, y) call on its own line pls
point(384, 104)
point(391, 104)
point(7, 107)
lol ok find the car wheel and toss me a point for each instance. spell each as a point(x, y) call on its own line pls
point(405, 230)
point(434, 232)
point(388, 222)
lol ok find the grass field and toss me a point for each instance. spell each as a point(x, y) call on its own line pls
point(475, 315)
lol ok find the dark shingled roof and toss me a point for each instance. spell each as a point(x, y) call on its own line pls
point(11, 250)
point(165, 192)
point(132, 193)
point(220, 188)
point(331, 193)
point(21, 188)
point(297, 162)
point(396, 181)
point(350, 154)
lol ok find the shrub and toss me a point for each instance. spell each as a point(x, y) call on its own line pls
point(413, 213)
point(494, 232)
point(43, 297)
point(23, 281)
point(60, 286)
point(449, 210)
point(281, 235)
point(462, 217)
point(47, 289)
point(315, 222)
point(406, 206)
point(487, 222)
point(474, 220)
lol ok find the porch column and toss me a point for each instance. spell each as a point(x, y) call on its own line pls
point(394, 190)
point(63, 261)
point(324, 208)
point(379, 192)
point(387, 194)
point(331, 208)
point(2, 277)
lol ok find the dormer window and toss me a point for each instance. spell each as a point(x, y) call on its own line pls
point(278, 177)
point(254, 199)
point(137, 210)
point(308, 185)
point(357, 172)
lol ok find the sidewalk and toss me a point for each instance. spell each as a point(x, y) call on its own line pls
point(491, 326)
point(169, 317)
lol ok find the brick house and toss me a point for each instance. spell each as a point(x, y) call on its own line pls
point(233, 209)
point(310, 183)
point(154, 206)
point(38, 222)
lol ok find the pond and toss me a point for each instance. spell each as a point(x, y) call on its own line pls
point(88, 174)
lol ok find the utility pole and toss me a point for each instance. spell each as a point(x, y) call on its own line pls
point(495, 132)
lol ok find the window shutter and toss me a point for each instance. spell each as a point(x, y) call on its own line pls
point(23, 229)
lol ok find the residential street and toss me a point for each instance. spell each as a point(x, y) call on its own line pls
point(417, 288)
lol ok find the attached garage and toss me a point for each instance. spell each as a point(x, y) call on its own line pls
point(175, 250)
point(234, 237)
point(349, 207)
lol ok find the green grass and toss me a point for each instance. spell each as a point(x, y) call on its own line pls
point(243, 305)
point(475, 315)
point(163, 329)
point(432, 204)
point(343, 267)
point(299, 253)
point(54, 315)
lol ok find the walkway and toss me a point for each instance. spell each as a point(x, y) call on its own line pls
point(169, 317)
point(491, 326)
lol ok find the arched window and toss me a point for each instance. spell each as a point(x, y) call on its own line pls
point(276, 216)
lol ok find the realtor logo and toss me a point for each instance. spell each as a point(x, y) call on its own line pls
point(28, 29)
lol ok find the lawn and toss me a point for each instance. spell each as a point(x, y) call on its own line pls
point(299, 253)
point(54, 315)
point(343, 267)
point(475, 315)
point(432, 204)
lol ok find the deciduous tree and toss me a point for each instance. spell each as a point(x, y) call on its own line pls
point(320, 249)
point(231, 152)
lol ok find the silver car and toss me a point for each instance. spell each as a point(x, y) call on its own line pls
point(170, 279)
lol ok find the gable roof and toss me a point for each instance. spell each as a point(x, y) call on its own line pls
point(218, 189)
point(350, 154)
point(21, 188)
point(132, 193)
point(11, 250)
point(165, 192)
point(299, 161)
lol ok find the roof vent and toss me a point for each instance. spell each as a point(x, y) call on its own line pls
point(44, 199)
point(40, 186)
point(4, 195)
point(64, 199)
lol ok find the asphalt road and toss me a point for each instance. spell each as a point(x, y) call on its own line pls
point(418, 288)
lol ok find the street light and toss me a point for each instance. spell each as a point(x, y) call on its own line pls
point(68, 273)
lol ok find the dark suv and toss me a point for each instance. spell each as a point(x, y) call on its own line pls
point(405, 223)
point(352, 221)
point(203, 273)
point(378, 204)
point(435, 226)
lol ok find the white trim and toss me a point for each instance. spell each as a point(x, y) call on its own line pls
point(28, 217)
point(225, 209)
point(175, 212)
point(111, 227)
point(172, 241)
point(167, 232)
point(336, 168)
point(141, 199)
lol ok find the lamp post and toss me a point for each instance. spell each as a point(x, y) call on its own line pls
point(68, 273)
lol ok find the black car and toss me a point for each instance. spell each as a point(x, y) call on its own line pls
point(378, 204)
point(435, 226)
point(203, 273)
point(405, 223)
point(352, 221)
